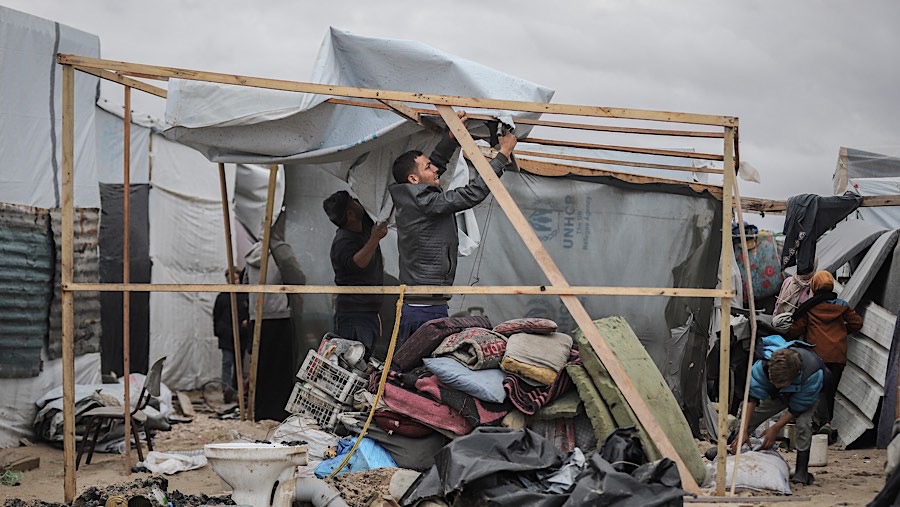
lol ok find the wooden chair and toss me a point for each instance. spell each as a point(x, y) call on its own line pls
point(100, 417)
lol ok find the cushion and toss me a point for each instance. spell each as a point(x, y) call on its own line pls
point(526, 325)
point(486, 385)
point(475, 347)
point(541, 350)
point(532, 374)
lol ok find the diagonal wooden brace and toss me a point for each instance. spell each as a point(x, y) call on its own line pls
point(576, 309)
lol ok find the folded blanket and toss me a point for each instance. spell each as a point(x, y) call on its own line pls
point(475, 347)
point(427, 338)
point(422, 408)
point(475, 412)
point(528, 398)
point(538, 357)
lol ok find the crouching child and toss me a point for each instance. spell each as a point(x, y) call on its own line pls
point(790, 377)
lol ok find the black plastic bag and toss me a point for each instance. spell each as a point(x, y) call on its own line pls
point(623, 450)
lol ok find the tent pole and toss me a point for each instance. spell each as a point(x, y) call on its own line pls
point(236, 333)
point(576, 309)
point(725, 337)
point(263, 272)
point(126, 275)
point(67, 265)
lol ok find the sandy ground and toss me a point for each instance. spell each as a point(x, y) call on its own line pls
point(851, 477)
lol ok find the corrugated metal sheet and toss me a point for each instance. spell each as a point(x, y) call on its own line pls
point(26, 274)
point(862, 384)
point(87, 270)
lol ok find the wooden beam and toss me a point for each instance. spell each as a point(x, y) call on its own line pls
point(725, 337)
point(403, 110)
point(554, 169)
point(229, 258)
point(777, 207)
point(260, 298)
point(522, 290)
point(126, 276)
point(543, 123)
point(576, 309)
point(625, 149)
point(625, 163)
point(126, 81)
point(421, 98)
point(67, 252)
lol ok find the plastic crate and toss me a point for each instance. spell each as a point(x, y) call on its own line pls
point(306, 399)
point(331, 378)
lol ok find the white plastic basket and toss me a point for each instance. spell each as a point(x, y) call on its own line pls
point(306, 399)
point(331, 378)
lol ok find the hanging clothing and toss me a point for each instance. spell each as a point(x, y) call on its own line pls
point(808, 217)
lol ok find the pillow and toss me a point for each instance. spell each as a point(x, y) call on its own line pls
point(486, 385)
point(526, 325)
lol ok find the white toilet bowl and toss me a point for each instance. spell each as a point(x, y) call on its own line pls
point(259, 474)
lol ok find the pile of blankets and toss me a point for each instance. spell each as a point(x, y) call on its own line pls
point(455, 374)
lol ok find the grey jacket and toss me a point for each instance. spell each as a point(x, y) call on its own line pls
point(427, 238)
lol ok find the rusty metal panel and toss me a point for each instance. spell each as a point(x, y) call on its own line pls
point(87, 270)
point(26, 275)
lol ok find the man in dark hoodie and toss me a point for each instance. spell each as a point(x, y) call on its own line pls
point(826, 321)
point(223, 330)
point(356, 260)
point(427, 237)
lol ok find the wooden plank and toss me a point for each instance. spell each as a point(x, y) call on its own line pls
point(419, 289)
point(544, 123)
point(184, 401)
point(126, 81)
point(403, 110)
point(421, 98)
point(66, 265)
point(229, 257)
point(263, 272)
point(725, 336)
point(22, 464)
point(625, 163)
point(626, 149)
point(579, 314)
point(126, 276)
point(777, 207)
point(542, 168)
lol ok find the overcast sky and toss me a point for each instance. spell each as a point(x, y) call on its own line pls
point(804, 77)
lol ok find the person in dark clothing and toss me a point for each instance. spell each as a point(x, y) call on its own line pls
point(826, 321)
point(223, 330)
point(356, 260)
point(790, 378)
point(427, 237)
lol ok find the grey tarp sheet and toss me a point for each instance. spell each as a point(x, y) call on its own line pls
point(863, 275)
point(844, 242)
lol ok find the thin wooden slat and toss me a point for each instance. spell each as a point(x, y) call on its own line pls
point(625, 149)
point(551, 290)
point(403, 110)
point(576, 309)
point(545, 123)
point(556, 169)
point(67, 266)
point(263, 272)
point(626, 163)
point(725, 336)
point(126, 277)
point(229, 257)
point(777, 207)
point(126, 81)
point(421, 98)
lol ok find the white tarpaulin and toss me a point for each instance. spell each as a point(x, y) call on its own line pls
point(885, 216)
point(31, 112)
point(110, 140)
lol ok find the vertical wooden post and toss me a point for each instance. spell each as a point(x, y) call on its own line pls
point(263, 272)
point(236, 332)
point(725, 337)
point(576, 309)
point(67, 266)
point(126, 275)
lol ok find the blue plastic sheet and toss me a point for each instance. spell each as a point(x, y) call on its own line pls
point(368, 455)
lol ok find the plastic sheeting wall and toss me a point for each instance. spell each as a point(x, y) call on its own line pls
point(87, 270)
point(31, 112)
point(110, 139)
point(26, 276)
point(187, 245)
point(111, 254)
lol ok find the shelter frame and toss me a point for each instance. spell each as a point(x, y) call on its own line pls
point(724, 127)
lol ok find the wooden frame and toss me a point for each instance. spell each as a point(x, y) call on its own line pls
point(725, 129)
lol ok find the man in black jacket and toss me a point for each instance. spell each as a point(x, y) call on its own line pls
point(427, 238)
point(356, 260)
point(223, 330)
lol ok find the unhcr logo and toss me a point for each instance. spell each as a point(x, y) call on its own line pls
point(545, 223)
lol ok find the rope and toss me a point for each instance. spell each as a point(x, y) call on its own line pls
point(384, 375)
